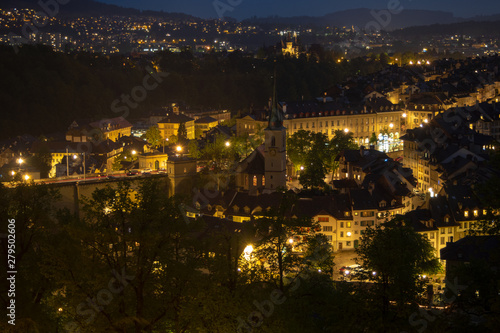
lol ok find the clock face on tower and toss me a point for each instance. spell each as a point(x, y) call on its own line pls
point(272, 151)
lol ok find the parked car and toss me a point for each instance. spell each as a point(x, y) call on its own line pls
point(356, 272)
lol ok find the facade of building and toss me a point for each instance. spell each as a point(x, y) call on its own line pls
point(169, 126)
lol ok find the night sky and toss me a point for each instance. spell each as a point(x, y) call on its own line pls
point(248, 8)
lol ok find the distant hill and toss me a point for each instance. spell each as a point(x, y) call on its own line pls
point(92, 8)
point(470, 28)
point(361, 17)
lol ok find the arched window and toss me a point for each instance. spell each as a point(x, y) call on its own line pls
point(254, 182)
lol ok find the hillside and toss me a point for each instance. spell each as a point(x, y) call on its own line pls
point(92, 8)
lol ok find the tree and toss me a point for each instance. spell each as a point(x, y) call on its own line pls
point(373, 139)
point(153, 137)
point(298, 146)
point(277, 255)
point(30, 208)
point(314, 172)
point(193, 149)
point(340, 141)
point(398, 255)
point(142, 236)
point(182, 133)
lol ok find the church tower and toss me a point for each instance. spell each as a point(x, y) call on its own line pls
point(275, 148)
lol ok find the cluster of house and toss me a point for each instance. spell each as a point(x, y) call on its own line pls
point(447, 119)
point(388, 103)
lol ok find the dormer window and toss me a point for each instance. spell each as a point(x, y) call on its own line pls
point(382, 204)
point(475, 212)
point(466, 213)
point(247, 209)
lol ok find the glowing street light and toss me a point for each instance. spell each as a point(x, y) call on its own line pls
point(247, 252)
point(134, 152)
point(26, 177)
point(404, 115)
point(391, 125)
point(346, 130)
point(20, 161)
point(290, 241)
point(178, 148)
point(228, 143)
point(349, 234)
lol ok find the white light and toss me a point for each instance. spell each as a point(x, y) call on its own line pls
point(247, 252)
point(404, 115)
point(426, 121)
point(228, 143)
point(179, 148)
point(391, 125)
point(290, 240)
point(26, 177)
point(349, 234)
point(346, 130)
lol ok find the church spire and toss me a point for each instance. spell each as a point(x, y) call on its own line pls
point(275, 117)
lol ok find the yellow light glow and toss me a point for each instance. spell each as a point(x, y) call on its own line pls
point(178, 148)
point(26, 177)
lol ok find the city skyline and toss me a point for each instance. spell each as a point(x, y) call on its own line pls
point(242, 9)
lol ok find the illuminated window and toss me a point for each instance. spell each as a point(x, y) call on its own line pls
point(254, 181)
point(466, 214)
point(263, 180)
point(475, 213)
point(348, 224)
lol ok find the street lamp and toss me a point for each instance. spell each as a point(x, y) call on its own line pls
point(391, 125)
point(26, 177)
point(290, 241)
point(179, 149)
point(346, 130)
point(134, 152)
point(228, 143)
point(247, 252)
